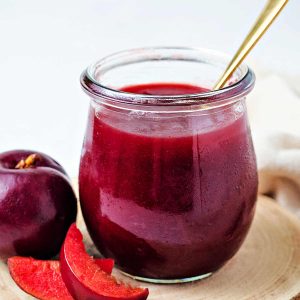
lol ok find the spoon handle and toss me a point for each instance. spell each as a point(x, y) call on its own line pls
point(267, 16)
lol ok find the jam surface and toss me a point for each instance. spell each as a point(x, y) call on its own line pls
point(164, 89)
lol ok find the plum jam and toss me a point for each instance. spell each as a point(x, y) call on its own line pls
point(168, 193)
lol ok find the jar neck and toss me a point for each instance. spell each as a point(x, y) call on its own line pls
point(102, 80)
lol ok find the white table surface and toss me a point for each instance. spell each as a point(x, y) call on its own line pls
point(44, 46)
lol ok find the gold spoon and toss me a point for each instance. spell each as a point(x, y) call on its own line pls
point(267, 16)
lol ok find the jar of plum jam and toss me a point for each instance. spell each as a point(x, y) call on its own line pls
point(168, 177)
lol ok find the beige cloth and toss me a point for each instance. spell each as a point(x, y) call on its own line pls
point(274, 113)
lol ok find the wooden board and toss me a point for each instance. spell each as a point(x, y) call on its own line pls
point(266, 267)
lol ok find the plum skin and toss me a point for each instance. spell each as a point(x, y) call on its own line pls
point(37, 206)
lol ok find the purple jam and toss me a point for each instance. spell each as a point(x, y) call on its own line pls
point(167, 205)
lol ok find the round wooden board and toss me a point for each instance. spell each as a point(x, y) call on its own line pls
point(266, 267)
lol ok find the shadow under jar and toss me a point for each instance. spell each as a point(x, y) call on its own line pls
point(168, 182)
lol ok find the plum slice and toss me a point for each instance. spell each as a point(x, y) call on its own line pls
point(42, 278)
point(85, 280)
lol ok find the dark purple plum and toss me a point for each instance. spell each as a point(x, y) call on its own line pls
point(37, 204)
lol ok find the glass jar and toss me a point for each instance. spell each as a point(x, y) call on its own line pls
point(167, 183)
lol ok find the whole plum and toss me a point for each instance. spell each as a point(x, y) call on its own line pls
point(37, 204)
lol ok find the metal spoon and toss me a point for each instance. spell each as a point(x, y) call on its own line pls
point(267, 16)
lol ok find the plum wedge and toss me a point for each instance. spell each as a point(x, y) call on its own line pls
point(39, 278)
point(42, 278)
point(85, 280)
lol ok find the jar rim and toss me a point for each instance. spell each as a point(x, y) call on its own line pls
point(225, 95)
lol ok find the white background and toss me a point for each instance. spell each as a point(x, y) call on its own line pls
point(44, 46)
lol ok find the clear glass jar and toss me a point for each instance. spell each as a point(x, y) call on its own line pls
point(167, 183)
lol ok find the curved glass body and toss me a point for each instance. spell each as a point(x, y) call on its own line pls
point(167, 183)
